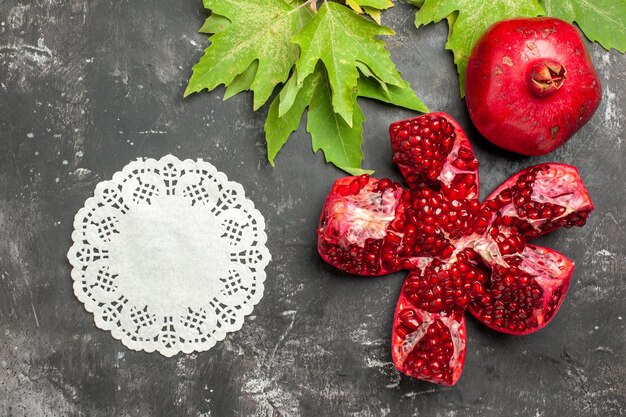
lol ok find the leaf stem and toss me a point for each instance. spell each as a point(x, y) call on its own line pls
point(311, 3)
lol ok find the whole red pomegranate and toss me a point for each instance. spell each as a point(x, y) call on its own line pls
point(462, 254)
point(531, 84)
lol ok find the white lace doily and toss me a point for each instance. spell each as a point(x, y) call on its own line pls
point(169, 255)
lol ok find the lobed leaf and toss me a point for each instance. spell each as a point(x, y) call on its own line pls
point(259, 30)
point(333, 57)
point(243, 81)
point(214, 24)
point(401, 96)
point(340, 39)
point(371, 7)
point(602, 21)
point(472, 18)
point(340, 143)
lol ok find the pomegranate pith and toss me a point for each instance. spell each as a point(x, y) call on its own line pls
point(354, 231)
point(524, 295)
point(531, 84)
point(461, 254)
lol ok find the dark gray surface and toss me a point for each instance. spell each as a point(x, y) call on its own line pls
point(87, 86)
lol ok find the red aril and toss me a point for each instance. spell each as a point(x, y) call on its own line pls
point(428, 346)
point(433, 151)
point(538, 200)
point(357, 232)
point(461, 254)
point(523, 295)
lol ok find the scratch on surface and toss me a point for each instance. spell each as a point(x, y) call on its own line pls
point(605, 349)
point(414, 394)
point(387, 369)
point(361, 337)
point(34, 313)
point(152, 132)
point(15, 254)
point(577, 374)
point(612, 114)
point(26, 386)
point(39, 55)
point(610, 215)
point(376, 363)
point(282, 337)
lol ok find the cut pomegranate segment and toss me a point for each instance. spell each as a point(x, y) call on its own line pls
point(355, 232)
point(462, 254)
point(523, 297)
point(446, 287)
point(433, 150)
point(428, 346)
point(540, 199)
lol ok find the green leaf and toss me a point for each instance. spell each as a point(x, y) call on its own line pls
point(401, 96)
point(340, 38)
point(418, 3)
point(242, 82)
point(214, 24)
point(354, 5)
point(603, 21)
point(375, 14)
point(372, 7)
point(340, 143)
point(288, 94)
point(260, 30)
point(473, 18)
point(375, 4)
point(365, 70)
point(278, 128)
point(333, 56)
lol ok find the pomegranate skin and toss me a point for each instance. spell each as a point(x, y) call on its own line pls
point(462, 255)
point(531, 84)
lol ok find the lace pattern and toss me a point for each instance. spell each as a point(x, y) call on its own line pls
point(169, 255)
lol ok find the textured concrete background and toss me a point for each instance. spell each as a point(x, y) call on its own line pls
point(88, 85)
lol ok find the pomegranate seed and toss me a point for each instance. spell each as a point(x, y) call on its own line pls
point(440, 231)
